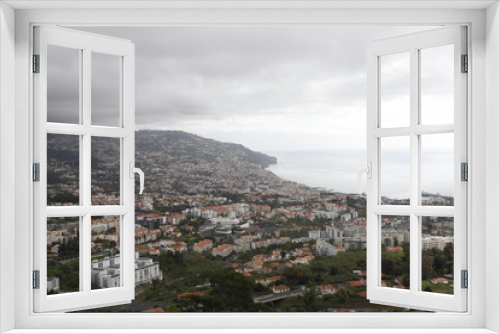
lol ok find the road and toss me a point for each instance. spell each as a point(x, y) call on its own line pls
point(299, 291)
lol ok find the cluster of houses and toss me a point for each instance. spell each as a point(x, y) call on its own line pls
point(169, 245)
point(277, 260)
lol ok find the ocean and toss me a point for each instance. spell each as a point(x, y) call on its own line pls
point(337, 170)
point(333, 170)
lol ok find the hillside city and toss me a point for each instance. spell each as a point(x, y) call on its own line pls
point(217, 232)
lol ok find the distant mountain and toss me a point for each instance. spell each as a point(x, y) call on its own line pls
point(181, 144)
point(177, 163)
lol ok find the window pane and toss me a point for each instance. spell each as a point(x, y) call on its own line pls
point(437, 254)
point(395, 90)
point(106, 88)
point(63, 255)
point(63, 85)
point(395, 239)
point(395, 170)
point(63, 169)
point(437, 173)
point(105, 171)
point(437, 85)
point(105, 252)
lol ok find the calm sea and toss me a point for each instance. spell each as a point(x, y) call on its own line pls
point(337, 170)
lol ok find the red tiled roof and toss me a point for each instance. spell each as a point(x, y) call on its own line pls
point(154, 310)
point(355, 283)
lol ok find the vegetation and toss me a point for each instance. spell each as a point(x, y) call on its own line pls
point(397, 264)
point(68, 274)
point(437, 262)
point(437, 288)
point(229, 292)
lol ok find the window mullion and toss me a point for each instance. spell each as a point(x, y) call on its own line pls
point(86, 237)
point(414, 170)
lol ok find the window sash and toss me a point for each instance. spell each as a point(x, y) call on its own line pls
point(413, 297)
point(86, 43)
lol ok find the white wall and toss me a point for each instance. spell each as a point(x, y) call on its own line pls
point(492, 163)
point(7, 160)
point(23, 218)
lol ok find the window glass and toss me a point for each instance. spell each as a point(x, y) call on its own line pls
point(395, 240)
point(437, 169)
point(105, 171)
point(63, 85)
point(437, 254)
point(395, 90)
point(437, 82)
point(105, 251)
point(63, 170)
point(106, 89)
point(63, 255)
point(395, 170)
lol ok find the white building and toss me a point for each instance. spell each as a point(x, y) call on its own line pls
point(326, 214)
point(325, 248)
point(146, 270)
point(225, 221)
point(313, 235)
point(435, 242)
point(53, 284)
point(106, 271)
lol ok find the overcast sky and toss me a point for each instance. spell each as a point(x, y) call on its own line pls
point(249, 84)
point(271, 88)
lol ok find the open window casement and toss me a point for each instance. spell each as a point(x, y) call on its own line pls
point(83, 170)
point(417, 101)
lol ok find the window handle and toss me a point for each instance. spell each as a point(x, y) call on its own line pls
point(133, 170)
point(368, 171)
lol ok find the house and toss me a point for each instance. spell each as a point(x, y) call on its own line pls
point(303, 259)
point(280, 289)
point(440, 280)
point(222, 250)
point(155, 310)
point(256, 264)
point(394, 248)
point(189, 294)
point(356, 284)
point(272, 279)
point(248, 269)
point(327, 289)
point(175, 218)
point(315, 234)
point(154, 251)
point(261, 281)
point(179, 247)
point(358, 272)
point(203, 246)
point(276, 255)
point(266, 270)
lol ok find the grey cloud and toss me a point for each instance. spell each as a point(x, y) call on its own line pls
point(214, 72)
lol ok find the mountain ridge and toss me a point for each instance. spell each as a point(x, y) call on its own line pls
point(185, 138)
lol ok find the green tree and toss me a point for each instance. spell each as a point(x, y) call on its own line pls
point(230, 292)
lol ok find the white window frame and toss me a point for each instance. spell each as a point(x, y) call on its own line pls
point(413, 44)
point(483, 21)
point(124, 51)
